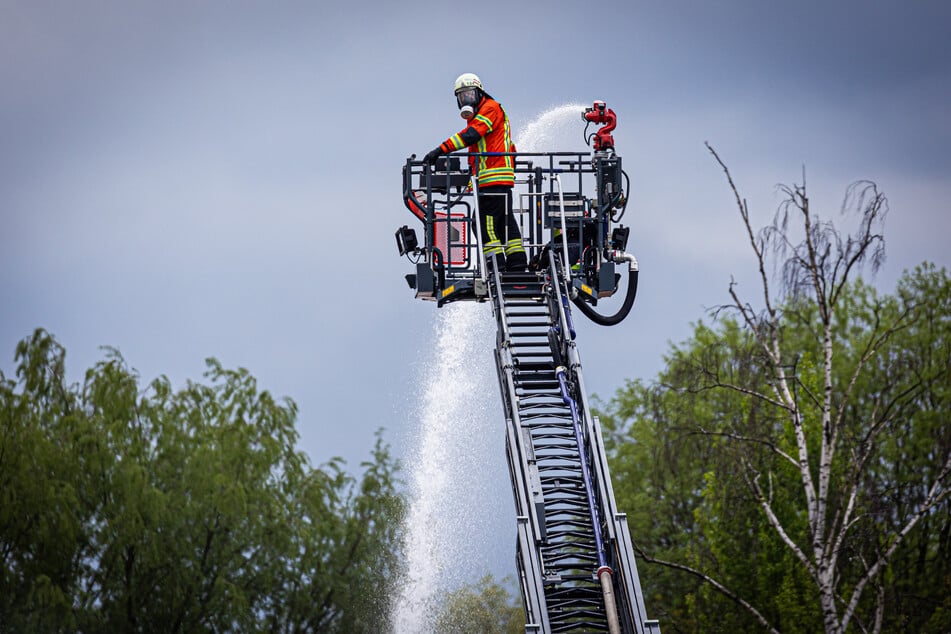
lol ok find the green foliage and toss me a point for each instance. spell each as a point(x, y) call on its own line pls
point(129, 509)
point(482, 608)
point(686, 453)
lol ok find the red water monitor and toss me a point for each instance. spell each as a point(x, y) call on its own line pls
point(600, 114)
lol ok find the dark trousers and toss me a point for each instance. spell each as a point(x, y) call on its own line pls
point(500, 232)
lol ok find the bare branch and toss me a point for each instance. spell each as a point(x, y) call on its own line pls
point(834, 546)
point(758, 249)
point(713, 582)
point(755, 327)
point(936, 494)
point(749, 439)
point(778, 526)
point(813, 397)
point(871, 348)
point(716, 382)
point(857, 248)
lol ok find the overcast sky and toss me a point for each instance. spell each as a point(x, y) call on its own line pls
point(183, 180)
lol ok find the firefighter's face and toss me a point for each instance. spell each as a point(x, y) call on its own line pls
point(467, 97)
point(467, 100)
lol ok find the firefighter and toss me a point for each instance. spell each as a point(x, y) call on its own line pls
point(488, 131)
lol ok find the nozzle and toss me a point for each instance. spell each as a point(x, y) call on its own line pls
point(595, 114)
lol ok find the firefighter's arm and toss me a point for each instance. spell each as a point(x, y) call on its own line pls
point(460, 140)
point(479, 126)
point(456, 142)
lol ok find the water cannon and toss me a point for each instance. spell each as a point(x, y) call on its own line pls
point(600, 114)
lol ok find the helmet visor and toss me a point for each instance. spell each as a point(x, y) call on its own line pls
point(467, 97)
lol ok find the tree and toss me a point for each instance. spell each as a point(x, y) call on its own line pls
point(485, 607)
point(800, 451)
point(128, 509)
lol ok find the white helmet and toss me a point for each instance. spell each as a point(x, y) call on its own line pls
point(467, 80)
point(468, 89)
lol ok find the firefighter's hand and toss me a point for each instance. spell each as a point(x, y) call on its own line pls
point(431, 156)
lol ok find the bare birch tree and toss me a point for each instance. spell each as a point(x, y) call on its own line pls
point(831, 460)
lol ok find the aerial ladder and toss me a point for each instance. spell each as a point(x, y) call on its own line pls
point(574, 553)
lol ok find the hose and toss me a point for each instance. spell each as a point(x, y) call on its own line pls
point(618, 317)
point(604, 572)
point(627, 188)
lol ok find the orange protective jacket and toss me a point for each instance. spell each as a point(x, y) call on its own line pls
point(488, 131)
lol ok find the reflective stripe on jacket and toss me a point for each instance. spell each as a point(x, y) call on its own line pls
point(488, 131)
